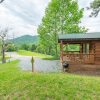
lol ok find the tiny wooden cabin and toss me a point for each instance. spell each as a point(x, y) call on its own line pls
point(80, 51)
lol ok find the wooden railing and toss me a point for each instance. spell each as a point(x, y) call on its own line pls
point(78, 58)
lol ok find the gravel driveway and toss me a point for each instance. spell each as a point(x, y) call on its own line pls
point(39, 65)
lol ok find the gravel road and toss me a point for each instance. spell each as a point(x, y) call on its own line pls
point(39, 65)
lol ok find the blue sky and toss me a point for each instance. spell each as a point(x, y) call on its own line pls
point(24, 16)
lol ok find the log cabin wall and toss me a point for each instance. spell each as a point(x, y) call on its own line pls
point(88, 59)
point(97, 52)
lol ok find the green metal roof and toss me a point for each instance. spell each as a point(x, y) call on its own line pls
point(80, 36)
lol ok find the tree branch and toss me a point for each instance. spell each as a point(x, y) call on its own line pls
point(1, 1)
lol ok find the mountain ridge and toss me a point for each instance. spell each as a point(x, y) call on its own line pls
point(25, 39)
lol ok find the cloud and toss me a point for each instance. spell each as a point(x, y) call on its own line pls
point(25, 16)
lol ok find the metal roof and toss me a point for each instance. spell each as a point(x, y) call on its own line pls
point(80, 36)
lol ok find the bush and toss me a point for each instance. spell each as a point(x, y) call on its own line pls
point(24, 47)
point(10, 47)
point(33, 47)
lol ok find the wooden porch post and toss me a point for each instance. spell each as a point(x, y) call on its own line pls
point(92, 51)
point(81, 48)
point(61, 50)
point(61, 54)
point(85, 47)
point(81, 51)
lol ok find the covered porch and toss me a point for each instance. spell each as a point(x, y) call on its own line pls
point(85, 52)
point(84, 55)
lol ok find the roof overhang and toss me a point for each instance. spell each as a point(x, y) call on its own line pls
point(79, 37)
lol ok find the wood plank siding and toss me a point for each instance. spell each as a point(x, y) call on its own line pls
point(97, 52)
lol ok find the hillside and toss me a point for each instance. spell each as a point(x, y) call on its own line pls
point(26, 39)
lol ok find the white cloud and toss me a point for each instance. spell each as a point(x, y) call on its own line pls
point(25, 16)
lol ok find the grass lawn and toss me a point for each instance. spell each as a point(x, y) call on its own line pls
point(29, 53)
point(18, 85)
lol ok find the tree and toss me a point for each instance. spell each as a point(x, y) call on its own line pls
point(3, 34)
point(10, 47)
point(61, 17)
point(33, 47)
point(95, 6)
point(25, 47)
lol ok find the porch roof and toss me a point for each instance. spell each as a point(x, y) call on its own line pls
point(80, 36)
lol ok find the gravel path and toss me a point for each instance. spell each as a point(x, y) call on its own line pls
point(39, 65)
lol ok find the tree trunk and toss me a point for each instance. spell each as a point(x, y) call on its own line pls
point(62, 19)
point(56, 38)
point(3, 52)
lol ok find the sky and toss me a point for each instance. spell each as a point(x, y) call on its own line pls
point(24, 16)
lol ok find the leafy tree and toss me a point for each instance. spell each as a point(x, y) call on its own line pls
point(95, 6)
point(24, 47)
point(33, 47)
point(10, 47)
point(61, 17)
point(3, 34)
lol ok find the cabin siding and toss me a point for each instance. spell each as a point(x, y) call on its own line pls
point(81, 67)
point(97, 52)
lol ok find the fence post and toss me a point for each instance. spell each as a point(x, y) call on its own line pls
point(32, 61)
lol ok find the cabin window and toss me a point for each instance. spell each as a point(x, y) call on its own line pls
point(71, 48)
point(74, 47)
point(86, 48)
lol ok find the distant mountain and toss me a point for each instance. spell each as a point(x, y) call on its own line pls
point(26, 39)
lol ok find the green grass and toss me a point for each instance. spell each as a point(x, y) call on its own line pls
point(18, 85)
point(43, 56)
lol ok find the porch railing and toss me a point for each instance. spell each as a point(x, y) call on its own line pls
point(78, 58)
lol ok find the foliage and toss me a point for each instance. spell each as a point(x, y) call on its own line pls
point(11, 47)
point(3, 35)
point(62, 17)
point(25, 47)
point(18, 85)
point(73, 47)
point(28, 47)
point(95, 6)
point(33, 47)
